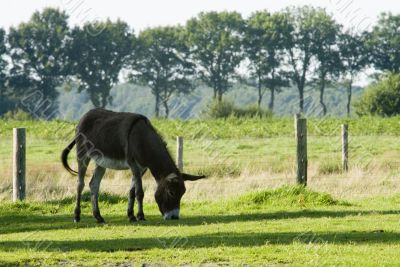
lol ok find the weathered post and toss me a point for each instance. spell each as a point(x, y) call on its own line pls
point(301, 141)
point(345, 147)
point(19, 164)
point(179, 152)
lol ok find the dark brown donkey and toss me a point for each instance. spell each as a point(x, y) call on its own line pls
point(121, 141)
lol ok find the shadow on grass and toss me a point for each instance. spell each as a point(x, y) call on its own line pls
point(226, 239)
point(15, 223)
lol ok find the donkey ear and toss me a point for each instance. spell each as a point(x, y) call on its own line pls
point(189, 177)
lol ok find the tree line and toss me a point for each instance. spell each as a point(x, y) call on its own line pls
point(298, 46)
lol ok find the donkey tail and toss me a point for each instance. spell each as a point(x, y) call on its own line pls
point(64, 158)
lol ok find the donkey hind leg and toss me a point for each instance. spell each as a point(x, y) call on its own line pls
point(82, 167)
point(136, 191)
point(140, 195)
point(94, 191)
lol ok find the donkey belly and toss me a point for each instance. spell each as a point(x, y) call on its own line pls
point(110, 163)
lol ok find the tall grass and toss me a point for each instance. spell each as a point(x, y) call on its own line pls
point(228, 128)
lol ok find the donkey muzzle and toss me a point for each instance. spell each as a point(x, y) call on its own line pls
point(172, 215)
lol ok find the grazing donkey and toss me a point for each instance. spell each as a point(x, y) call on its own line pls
point(121, 141)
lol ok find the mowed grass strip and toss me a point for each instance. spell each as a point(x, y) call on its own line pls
point(289, 225)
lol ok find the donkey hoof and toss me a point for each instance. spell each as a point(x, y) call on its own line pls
point(132, 219)
point(101, 221)
point(141, 217)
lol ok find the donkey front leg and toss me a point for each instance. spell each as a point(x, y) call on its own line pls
point(136, 191)
point(94, 190)
point(139, 197)
point(82, 167)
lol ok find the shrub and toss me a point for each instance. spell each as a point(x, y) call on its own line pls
point(382, 98)
point(18, 115)
point(225, 109)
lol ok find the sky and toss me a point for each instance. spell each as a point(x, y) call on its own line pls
point(358, 14)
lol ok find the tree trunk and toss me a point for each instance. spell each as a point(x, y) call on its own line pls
point(157, 106)
point(215, 93)
point(165, 103)
point(103, 101)
point(349, 93)
point(259, 92)
point(272, 99)
point(321, 96)
point(301, 98)
point(220, 95)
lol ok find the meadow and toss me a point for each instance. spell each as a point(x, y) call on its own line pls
point(247, 212)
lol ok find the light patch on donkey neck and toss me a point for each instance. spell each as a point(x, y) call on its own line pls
point(110, 163)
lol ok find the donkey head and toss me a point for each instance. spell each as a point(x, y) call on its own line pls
point(169, 193)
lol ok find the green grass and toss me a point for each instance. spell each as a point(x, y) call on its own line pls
point(231, 128)
point(285, 226)
point(290, 226)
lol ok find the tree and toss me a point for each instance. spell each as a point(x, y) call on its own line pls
point(215, 42)
point(326, 52)
point(264, 45)
point(384, 43)
point(39, 59)
point(308, 25)
point(99, 58)
point(4, 102)
point(354, 57)
point(161, 63)
point(381, 98)
point(3, 62)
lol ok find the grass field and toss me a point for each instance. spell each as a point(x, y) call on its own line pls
point(288, 226)
point(234, 217)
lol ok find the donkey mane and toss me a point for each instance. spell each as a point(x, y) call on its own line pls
point(160, 136)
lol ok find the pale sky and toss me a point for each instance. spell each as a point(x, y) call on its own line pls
point(141, 14)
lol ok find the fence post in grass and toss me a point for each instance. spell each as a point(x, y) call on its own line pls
point(300, 125)
point(179, 152)
point(19, 164)
point(345, 147)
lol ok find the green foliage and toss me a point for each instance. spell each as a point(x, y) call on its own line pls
point(384, 42)
point(40, 61)
point(311, 38)
point(354, 57)
point(18, 115)
point(98, 52)
point(327, 55)
point(225, 109)
point(3, 62)
point(382, 98)
point(215, 40)
point(288, 195)
point(221, 109)
point(160, 62)
point(264, 44)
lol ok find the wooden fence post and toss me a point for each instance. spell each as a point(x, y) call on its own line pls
point(345, 147)
point(179, 152)
point(19, 141)
point(301, 155)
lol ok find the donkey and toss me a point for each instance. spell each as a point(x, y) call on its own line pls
point(122, 141)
